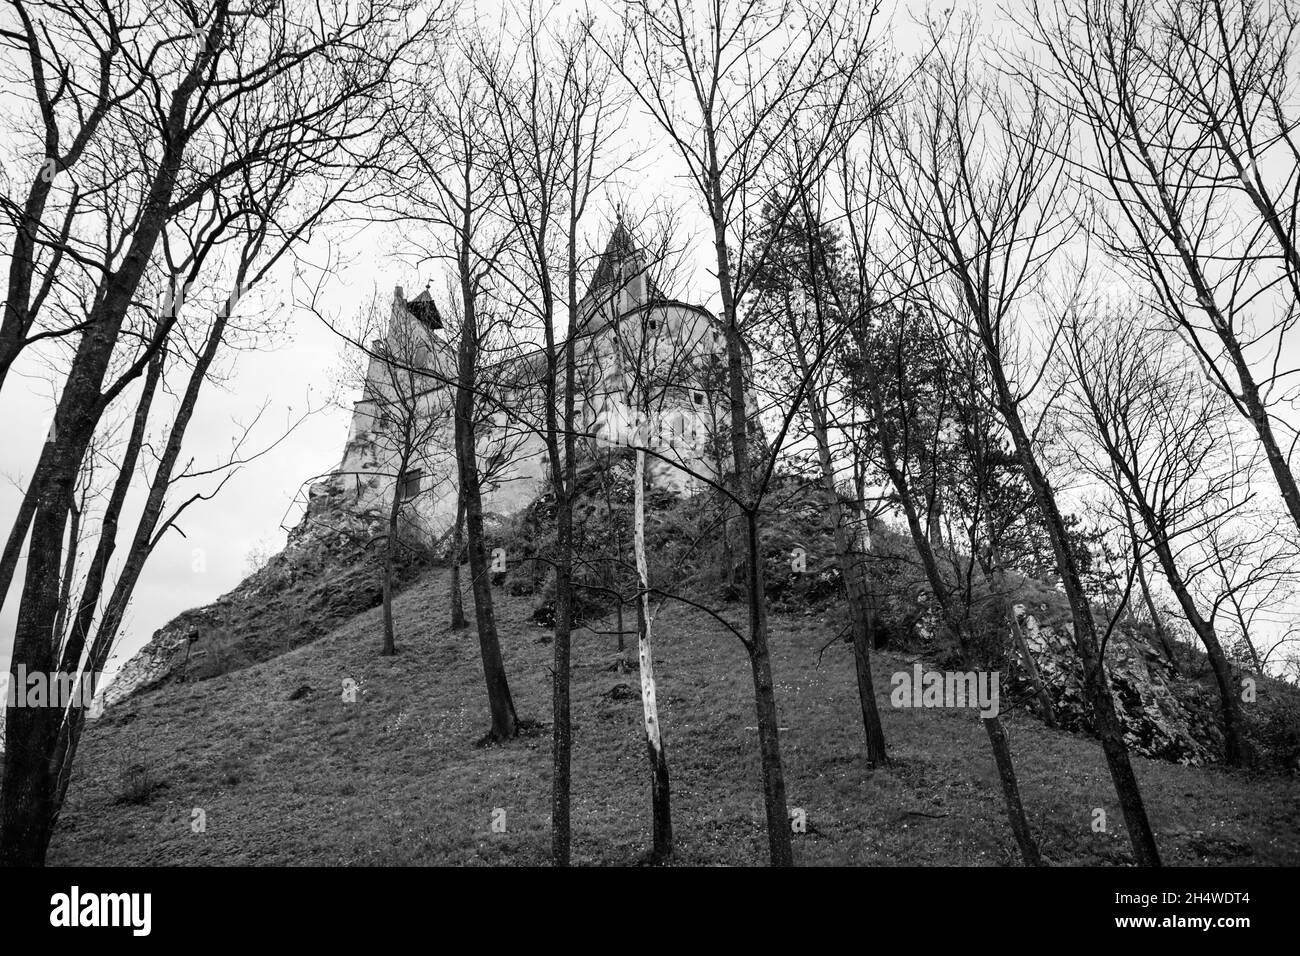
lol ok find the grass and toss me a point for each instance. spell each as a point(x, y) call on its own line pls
point(395, 778)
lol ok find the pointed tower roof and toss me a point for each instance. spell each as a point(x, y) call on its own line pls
point(425, 311)
point(621, 251)
point(618, 250)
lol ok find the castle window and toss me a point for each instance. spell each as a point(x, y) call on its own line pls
point(698, 397)
point(408, 484)
point(653, 325)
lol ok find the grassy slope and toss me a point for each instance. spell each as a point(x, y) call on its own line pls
point(396, 779)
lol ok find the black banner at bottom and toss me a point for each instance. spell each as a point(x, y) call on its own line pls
point(341, 906)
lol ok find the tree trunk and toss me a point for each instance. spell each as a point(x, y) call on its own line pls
point(1248, 399)
point(859, 612)
point(778, 826)
point(17, 537)
point(563, 468)
point(953, 620)
point(999, 581)
point(1254, 651)
point(1236, 747)
point(660, 802)
point(562, 728)
point(769, 741)
point(997, 735)
point(88, 603)
point(1096, 685)
point(1162, 634)
point(389, 647)
point(934, 525)
point(1046, 711)
point(500, 703)
point(1278, 462)
point(992, 726)
point(142, 543)
point(31, 734)
point(458, 620)
point(69, 568)
point(22, 263)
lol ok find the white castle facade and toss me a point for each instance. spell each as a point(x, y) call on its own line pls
point(649, 373)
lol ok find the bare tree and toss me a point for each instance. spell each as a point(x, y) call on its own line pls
point(553, 107)
point(992, 502)
point(725, 83)
point(854, 291)
point(1192, 157)
point(981, 196)
point(1167, 455)
point(253, 101)
point(454, 556)
point(791, 295)
point(405, 402)
point(656, 354)
point(452, 178)
point(1249, 581)
point(67, 62)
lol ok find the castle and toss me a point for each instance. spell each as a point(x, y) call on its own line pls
point(649, 372)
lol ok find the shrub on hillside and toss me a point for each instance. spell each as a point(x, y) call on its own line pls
point(1273, 725)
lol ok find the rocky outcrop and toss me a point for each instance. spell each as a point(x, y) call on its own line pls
point(1163, 716)
point(166, 651)
point(326, 574)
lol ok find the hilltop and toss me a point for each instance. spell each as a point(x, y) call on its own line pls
point(286, 772)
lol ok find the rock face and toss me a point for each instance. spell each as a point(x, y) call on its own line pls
point(1163, 716)
point(327, 573)
point(165, 652)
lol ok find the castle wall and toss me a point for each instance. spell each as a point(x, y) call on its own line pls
point(663, 353)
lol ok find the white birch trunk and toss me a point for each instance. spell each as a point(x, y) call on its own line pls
point(649, 707)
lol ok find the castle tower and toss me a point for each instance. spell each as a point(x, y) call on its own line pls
point(621, 284)
point(628, 332)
